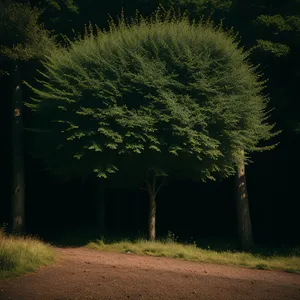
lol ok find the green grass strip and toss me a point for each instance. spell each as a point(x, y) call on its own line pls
point(171, 249)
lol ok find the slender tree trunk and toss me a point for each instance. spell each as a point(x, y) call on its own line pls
point(152, 217)
point(243, 212)
point(18, 210)
point(151, 184)
point(100, 207)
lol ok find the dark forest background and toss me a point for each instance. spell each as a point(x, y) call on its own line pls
point(191, 210)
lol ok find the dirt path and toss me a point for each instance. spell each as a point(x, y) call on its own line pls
point(87, 274)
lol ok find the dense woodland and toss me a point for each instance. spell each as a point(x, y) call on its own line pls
point(57, 205)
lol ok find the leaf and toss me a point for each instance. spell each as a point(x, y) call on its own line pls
point(155, 148)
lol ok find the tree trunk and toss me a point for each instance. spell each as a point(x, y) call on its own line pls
point(18, 210)
point(152, 217)
point(100, 207)
point(151, 184)
point(243, 212)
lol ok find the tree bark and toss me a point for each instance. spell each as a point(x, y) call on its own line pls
point(151, 185)
point(100, 207)
point(242, 203)
point(18, 201)
point(152, 217)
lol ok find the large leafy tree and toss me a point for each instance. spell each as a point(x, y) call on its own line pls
point(159, 96)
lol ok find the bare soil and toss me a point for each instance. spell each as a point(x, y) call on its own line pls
point(82, 273)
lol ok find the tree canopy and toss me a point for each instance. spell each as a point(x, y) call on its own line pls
point(158, 89)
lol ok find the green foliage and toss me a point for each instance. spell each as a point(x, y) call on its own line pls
point(274, 22)
point(277, 49)
point(199, 7)
point(21, 35)
point(57, 5)
point(277, 30)
point(160, 93)
point(271, 30)
point(277, 25)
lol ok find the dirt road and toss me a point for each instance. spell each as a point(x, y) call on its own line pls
point(88, 274)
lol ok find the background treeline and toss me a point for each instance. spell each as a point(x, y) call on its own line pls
point(271, 31)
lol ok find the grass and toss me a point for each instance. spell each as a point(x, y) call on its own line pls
point(172, 249)
point(19, 255)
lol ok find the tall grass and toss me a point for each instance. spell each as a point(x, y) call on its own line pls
point(19, 255)
point(172, 249)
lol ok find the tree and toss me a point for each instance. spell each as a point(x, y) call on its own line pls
point(157, 97)
point(271, 30)
point(22, 38)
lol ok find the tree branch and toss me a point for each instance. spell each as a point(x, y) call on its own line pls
point(141, 188)
point(161, 184)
